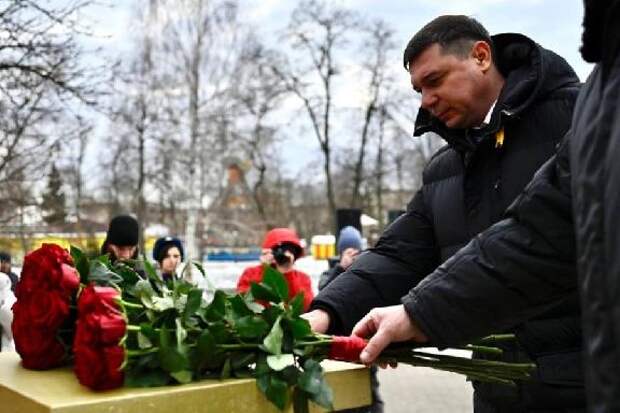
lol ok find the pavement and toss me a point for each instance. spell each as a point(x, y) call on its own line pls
point(407, 389)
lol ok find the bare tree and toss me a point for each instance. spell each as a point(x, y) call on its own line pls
point(379, 45)
point(317, 30)
point(199, 41)
point(258, 93)
point(41, 75)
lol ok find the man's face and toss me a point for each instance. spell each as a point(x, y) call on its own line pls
point(452, 86)
point(5, 266)
point(122, 252)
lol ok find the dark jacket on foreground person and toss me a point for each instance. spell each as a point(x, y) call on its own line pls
point(560, 235)
point(466, 188)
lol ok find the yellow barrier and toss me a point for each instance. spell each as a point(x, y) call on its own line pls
point(323, 246)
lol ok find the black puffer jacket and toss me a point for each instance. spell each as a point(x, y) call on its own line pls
point(466, 188)
point(565, 220)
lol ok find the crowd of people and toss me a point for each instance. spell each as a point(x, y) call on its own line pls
point(513, 229)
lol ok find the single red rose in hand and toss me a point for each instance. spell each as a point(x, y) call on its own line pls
point(347, 348)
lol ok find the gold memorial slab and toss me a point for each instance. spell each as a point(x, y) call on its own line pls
point(58, 391)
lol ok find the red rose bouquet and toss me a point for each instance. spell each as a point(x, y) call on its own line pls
point(42, 315)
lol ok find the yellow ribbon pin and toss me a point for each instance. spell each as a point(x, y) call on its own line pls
point(499, 138)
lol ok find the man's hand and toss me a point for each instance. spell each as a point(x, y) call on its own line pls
point(386, 325)
point(318, 319)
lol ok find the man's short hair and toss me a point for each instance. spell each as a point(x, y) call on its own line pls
point(454, 33)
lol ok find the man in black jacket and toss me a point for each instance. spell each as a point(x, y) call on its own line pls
point(560, 234)
point(502, 104)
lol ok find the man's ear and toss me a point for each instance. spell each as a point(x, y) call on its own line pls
point(481, 53)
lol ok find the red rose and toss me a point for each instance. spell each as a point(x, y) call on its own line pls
point(105, 329)
point(100, 327)
point(45, 309)
point(346, 348)
point(47, 287)
point(48, 267)
point(98, 299)
point(70, 278)
point(99, 368)
point(38, 348)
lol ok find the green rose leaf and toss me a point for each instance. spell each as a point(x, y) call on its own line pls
point(149, 332)
point(313, 382)
point(162, 304)
point(310, 379)
point(180, 331)
point(201, 269)
point(276, 281)
point(217, 308)
point(239, 307)
point(251, 327)
point(145, 378)
point(255, 307)
point(264, 292)
point(296, 305)
point(81, 263)
point(143, 341)
point(277, 392)
point(273, 342)
point(129, 276)
point(300, 327)
point(144, 291)
point(243, 360)
point(194, 300)
point(102, 275)
point(220, 332)
point(170, 357)
point(183, 376)
point(280, 361)
point(150, 271)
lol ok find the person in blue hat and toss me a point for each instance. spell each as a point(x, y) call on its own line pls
point(168, 252)
point(348, 247)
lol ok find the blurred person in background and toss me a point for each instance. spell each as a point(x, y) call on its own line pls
point(7, 299)
point(121, 242)
point(280, 249)
point(348, 247)
point(5, 267)
point(168, 252)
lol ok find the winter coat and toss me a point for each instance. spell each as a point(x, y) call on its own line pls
point(560, 235)
point(7, 299)
point(297, 282)
point(330, 275)
point(467, 186)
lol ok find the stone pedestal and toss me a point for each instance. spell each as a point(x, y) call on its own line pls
point(58, 391)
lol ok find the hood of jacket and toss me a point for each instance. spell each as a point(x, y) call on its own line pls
point(530, 72)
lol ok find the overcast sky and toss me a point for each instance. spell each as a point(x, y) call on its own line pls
point(555, 24)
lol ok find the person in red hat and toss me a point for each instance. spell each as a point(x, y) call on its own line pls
point(281, 248)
